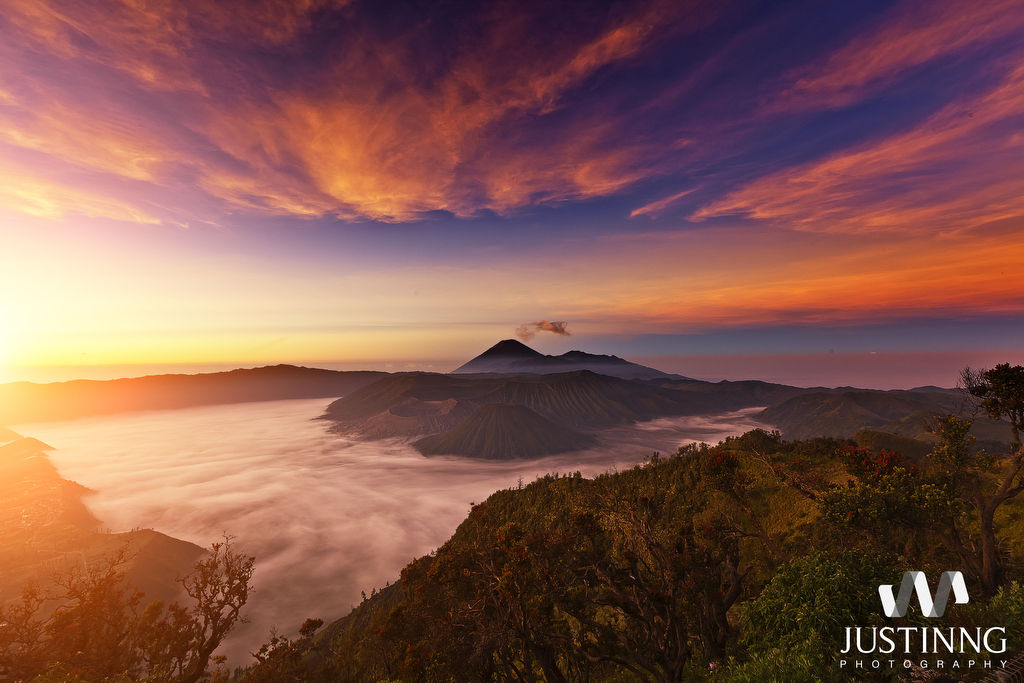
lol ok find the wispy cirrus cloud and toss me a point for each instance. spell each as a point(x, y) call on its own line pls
point(41, 197)
point(912, 159)
point(961, 167)
point(909, 36)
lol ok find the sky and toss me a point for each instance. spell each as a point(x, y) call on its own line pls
point(204, 184)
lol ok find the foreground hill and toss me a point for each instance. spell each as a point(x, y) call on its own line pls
point(46, 529)
point(22, 402)
point(719, 547)
point(512, 357)
point(504, 431)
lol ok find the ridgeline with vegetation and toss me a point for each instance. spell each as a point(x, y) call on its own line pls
point(740, 562)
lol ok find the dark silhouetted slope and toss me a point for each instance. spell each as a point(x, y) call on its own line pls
point(22, 402)
point(504, 431)
point(418, 403)
point(584, 399)
point(845, 414)
point(507, 350)
point(512, 357)
point(742, 393)
point(408, 405)
point(45, 528)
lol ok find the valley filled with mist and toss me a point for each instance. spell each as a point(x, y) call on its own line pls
point(327, 516)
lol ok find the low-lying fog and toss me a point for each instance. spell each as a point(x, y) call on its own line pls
point(326, 516)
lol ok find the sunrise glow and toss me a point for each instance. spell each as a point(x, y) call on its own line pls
point(313, 182)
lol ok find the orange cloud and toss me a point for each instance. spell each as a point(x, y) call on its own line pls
point(369, 149)
point(101, 144)
point(962, 167)
point(656, 207)
point(911, 35)
point(749, 275)
point(148, 40)
point(265, 22)
point(24, 193)
point(386, 128)
point(154, 40)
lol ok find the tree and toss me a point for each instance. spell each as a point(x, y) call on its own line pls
point(95, 629)
point(97, 632)
point(999, 393)
point(281, 659)
point(220, 586)
point(723, 472)
point(904, 508)
point(793, 627)
point(899, 509)
point(22, 635)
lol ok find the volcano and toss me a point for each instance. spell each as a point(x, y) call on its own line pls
point(513, 357)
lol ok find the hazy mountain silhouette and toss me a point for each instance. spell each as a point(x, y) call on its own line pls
point(46, 528)
point(29, 402)
point(845, 414)
point(504, 431)
point(420, 403)
point(8, 435)
point(513, 357)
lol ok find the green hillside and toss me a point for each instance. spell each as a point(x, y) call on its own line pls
point(740, 562)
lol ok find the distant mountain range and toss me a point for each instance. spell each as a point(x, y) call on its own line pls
point(449, 409)
point(904, 413)
point(513, 357)
point(569, 399)
point(421, 403)
point(820, 414)
point(22, 402)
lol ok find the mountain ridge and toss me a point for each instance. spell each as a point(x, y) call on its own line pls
point(422, 403)
point(510, 356)
point(23, 402)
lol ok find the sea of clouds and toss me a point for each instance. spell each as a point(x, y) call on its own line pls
point(326, 516)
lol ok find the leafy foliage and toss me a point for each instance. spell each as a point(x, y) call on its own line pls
point(281, 659)
point(1000, 393)
point(815, 597)
point(98, 633)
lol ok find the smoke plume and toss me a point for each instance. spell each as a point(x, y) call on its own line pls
point(528, 331)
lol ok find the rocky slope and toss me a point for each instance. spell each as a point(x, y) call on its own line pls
point(504, 431)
